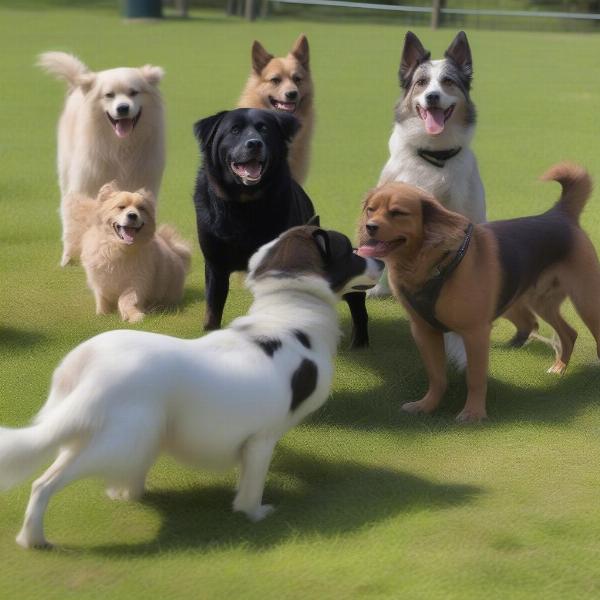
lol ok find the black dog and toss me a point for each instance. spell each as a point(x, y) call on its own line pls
point(245, 197)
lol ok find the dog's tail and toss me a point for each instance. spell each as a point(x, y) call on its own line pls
point(576, 187)
point(63, 66)
point(176, 243)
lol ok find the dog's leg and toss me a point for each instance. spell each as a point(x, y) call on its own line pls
point(360, 319)
point(103, 306)
point(567, 335)
point(32, 531)
point(477, 345)
point(524, 320)
point(217, 288)
point(382, 289)
point(431, 347)
point(256, 457)
point(128, 306)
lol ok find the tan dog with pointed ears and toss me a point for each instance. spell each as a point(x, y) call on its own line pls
point(452, 275)
point(285, 84)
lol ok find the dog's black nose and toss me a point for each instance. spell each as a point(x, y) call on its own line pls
point(132, 216)
point(291, 95)
point(254, 143)
point(122, 109)
point(432, 98)
point(371, 228)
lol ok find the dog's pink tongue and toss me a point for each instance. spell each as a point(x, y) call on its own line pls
point(252, 169)
point(434, 121)
point(123, 127)
point(129, 234)
point(372, 251)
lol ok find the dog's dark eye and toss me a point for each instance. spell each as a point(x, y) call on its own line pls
point(447, 81)
point(422, 82)
point(297, 79)
point(109, 95)
point(276, 80)
point(133, 93)
point(235, 130)
point(123, 207)
point(398, 213)
point(262, 128)
point(369, 209)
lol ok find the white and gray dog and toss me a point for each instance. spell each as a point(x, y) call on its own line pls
point(434, 125)
point(122, 397)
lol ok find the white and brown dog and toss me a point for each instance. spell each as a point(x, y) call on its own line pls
point(122, 397)
point(111, 128)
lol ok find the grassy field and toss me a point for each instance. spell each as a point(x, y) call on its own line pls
point(371, 503)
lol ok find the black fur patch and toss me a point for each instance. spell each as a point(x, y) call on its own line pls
point(304, 382)
point(268, 345)
point(302, 338)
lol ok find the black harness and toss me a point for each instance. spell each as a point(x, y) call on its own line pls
point(438, 158)
point(423, 301)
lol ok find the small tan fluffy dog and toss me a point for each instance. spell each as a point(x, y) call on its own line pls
point(285, 84)
point(453, 276)
point(129, 264)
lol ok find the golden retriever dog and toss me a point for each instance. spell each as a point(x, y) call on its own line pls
point(285, 84)
point(129, 264)
point(111, 128)
point(452, 275)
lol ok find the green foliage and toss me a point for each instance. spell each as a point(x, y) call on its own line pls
point(370, 503)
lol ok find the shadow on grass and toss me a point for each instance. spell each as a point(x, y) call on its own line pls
point(328, 498)
point(394, 360)
point(19, 340)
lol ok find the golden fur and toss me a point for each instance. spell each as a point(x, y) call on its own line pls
point(414, 234)
point(269, 82)
point(129, 270)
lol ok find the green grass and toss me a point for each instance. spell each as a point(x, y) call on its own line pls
point(371, 503)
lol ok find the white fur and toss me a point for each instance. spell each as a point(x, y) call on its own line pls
point(122, 397)
point(90, 154)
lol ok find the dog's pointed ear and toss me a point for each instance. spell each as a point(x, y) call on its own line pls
point(260, 57)
point(152, 74)
point(315, 220)
point(460, 53)
point(321, 238)
point(413, 54)
point(288, 124)
point(146, 194)
point(300, 51)
point(107, 190)
point(205, 129)
point(86, 81)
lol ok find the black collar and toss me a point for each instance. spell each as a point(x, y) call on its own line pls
point(438, 158)
point(423, 301)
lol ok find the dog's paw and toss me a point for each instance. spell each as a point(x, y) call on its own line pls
point(417, 407)
point(65, 260)
point(135, 317)
point(470, 415)
point(124, 494)
point(32, 542)
point(558, 368)
point(258, 513)
point(379, 291)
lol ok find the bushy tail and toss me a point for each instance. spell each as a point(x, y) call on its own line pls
point(576, 187)
point(63, 66)
point(176, 243)
point(22, 451)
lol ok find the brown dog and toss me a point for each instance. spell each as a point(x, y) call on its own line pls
point(130, 265)
point(451, 275)
point(285, 84)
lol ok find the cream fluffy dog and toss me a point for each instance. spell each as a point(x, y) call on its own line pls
point(112, 127)
point(129, 265)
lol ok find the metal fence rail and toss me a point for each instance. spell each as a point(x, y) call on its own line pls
point(446, 11)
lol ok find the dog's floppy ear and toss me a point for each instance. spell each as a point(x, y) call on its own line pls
point(321, 238)
point(300, 51)
point(314, 220)
point(86, 81)
point(288, 124)
point(413, 54)
point(439, 224)
point(205, 129)
point(152, 74)
point(260, 57)
point(107, 190)
point(460, 53)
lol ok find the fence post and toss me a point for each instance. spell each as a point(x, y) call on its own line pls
point(250, 12)
point(436, 13)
